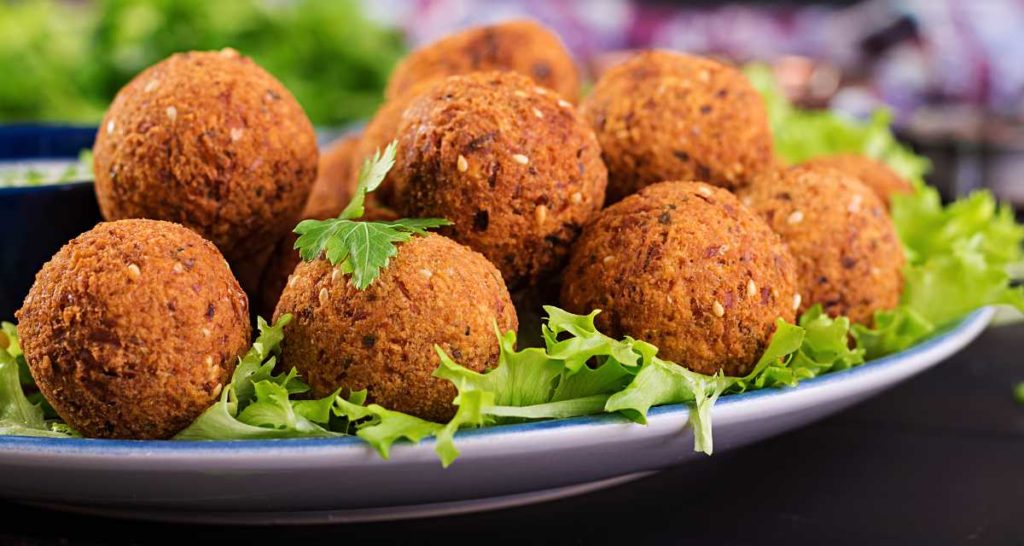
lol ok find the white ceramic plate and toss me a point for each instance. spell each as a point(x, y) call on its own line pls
point(307, 481)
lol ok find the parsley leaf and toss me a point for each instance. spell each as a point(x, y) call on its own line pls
point(361, 248)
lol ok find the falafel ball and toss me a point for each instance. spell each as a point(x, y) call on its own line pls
point(685, 266)
point(212, 141)
point(133, 328)
point(435, 291)
point(517, 46)
point(668, 116)
point(873, 173)
point(513, 167)
point(848, 255)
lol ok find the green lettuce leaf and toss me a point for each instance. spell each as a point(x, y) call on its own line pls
point(257, 403)
point(20, 416)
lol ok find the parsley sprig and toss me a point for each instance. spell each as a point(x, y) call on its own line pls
point(361, 249)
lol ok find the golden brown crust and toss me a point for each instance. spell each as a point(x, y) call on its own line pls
point(511, 165)
point(874, 174)
point(518, 46)
point(212, 141)
point(434, 291)
point(132, 329)
point(668, 116)
point(848, 256)
point(685, 266)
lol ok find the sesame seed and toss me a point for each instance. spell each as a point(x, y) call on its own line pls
point(564, 103)
point(334, 274)
point(576, 198)
point(796, 301)
point(324, 294)
point(172, 113)
point(217, 390)
point(206, 332)
point(236, 134)
point(540, 214)
point(178, 268)
point(520, 159)
point(153, 84)
point(751, 288)
point(704, 191)
point(426, 273)
point(134, 271)
point(717, 309)
point(538, 113)
point(796, 217)
point(291, 280)
point(704, 76)
point(110, 127)
point(520, 94)
point(608, 259)
point(540, 90)
point(228, 52)
point(209, 360)
point(855, 202)
point(462, 164)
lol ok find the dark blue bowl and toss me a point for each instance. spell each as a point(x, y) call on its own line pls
point(35, 221)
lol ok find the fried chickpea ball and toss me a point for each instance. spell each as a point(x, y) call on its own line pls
point(516, 46)
point(513, 167)
point(133, 328)
point(874, 174)
point(685, 266)
point(382, 339)
point(848, 256)
point(668, 116)
point(212, 141)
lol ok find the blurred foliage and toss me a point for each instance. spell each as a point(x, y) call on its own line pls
point(68, 60)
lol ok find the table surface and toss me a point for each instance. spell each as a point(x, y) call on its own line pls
point(937, 460)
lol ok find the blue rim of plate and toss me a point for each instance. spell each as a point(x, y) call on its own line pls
point(94, 446)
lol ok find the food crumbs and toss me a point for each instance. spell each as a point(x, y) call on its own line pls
point(134, 271)
point(540, 214)
point(462, 164)
point(717, 309)
point(520, 159)
point(855, 204)
point(172, 113)
point(751, 288)
point(796, 217)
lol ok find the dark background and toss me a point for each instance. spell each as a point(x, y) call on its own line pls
point(937, 460)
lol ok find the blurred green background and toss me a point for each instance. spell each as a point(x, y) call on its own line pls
point(71, 58)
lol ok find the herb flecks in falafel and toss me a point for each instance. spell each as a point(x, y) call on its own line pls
point(361, 248)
